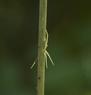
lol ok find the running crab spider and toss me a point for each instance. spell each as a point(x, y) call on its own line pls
point(46, 53)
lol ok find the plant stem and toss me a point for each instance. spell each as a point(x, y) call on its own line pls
point(41, 46)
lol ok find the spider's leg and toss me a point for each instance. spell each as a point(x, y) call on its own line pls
point(46, 60)
point(33, 65)
point(49, 57)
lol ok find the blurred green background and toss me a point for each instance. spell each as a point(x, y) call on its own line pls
point(69, 27)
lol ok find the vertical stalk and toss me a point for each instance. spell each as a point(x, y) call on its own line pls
point(41, 46)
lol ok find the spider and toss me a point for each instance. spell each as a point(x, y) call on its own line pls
point(46, 53)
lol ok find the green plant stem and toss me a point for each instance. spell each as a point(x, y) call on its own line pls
point(41, 46)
